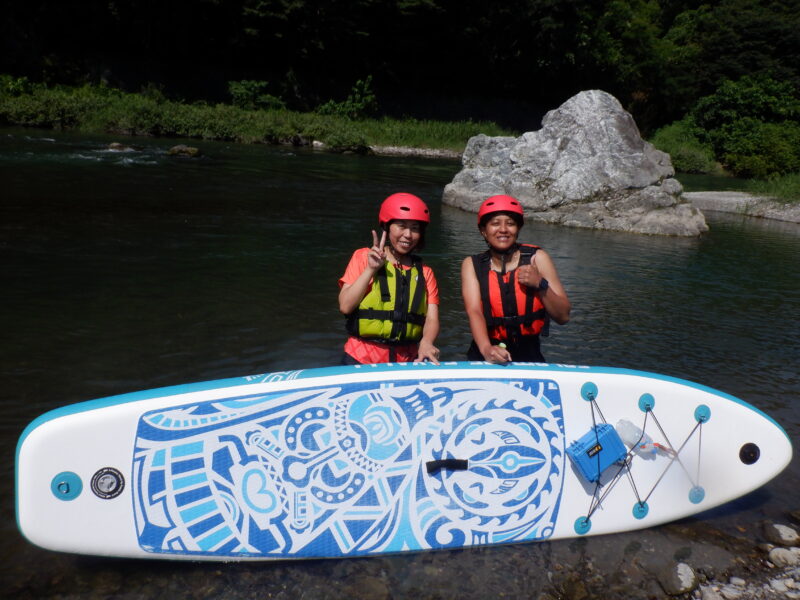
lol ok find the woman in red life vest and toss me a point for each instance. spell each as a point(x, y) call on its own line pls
point(511, 290)
point(389, 297)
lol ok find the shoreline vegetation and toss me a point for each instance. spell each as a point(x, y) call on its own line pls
point(250, 119)
point(340, 127)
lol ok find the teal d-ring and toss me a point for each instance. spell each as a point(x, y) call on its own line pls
point(640, 510)
point(66, 486)
point(589, 391)
point(582, 525)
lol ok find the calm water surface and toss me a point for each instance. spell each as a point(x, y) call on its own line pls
point(128, 271)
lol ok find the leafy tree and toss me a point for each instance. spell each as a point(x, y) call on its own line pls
point(451, 57)
point(761, 98)
point(753, 124)
point(728, 39)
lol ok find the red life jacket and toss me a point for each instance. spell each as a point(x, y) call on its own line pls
point(511, 310)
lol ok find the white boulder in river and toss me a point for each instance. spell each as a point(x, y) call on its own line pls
point(588, 166)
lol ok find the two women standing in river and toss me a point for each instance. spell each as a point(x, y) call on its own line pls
point(510, 291)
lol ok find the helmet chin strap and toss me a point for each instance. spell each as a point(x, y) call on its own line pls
point(504, 254)
point(390, 245)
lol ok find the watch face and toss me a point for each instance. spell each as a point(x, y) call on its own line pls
point(544, 284)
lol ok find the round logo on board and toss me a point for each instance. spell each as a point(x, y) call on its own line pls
point(108, 483)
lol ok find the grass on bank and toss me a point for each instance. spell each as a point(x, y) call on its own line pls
point(785, 188)
point(99, 109)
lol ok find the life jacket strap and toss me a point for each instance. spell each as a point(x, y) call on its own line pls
point(383, 283)
point(516, 320)
point(390, 315)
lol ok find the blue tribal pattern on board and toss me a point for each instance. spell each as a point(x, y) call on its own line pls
point(341, 470)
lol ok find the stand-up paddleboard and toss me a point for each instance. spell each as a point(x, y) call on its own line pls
point(371, 459)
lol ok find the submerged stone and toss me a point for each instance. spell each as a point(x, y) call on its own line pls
point(784, 557)
point(184, 150)
point(677, 579)
point(783, 535)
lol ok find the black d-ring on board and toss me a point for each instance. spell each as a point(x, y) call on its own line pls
point(451, 464)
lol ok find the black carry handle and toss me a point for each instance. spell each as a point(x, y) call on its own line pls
point(453, 464)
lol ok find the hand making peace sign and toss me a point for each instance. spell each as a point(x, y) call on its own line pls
point(377, 254)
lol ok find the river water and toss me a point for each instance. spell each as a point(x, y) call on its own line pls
point(124, 271)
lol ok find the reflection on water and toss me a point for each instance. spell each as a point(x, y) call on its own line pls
point(131, 270)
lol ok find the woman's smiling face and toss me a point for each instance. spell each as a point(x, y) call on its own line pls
point(500, 231)
point(404, 235)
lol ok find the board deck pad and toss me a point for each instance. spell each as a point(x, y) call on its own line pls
point(322, 472)
point(355, 461)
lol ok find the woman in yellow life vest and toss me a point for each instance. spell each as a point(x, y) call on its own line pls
point(389, 297)
point(511, 290)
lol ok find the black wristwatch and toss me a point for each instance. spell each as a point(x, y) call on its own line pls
point(543, 285)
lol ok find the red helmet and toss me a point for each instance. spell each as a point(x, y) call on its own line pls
point(403, 206)
point(501, 203)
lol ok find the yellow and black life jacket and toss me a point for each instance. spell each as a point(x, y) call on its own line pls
point(394, 308)
point(511, 310)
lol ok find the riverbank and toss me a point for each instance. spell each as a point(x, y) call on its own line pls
point(421, 152)
point(758, 561)
point(770, 571)
point(745, 204)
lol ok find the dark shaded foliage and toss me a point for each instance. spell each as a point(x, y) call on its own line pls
point(447, 59)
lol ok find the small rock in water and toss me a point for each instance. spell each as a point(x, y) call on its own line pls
point(183, 150)
point(118, 147)
point(782, 535)
point(785, 557)
point(779, 585)
point(677, 579)
point(710, 593)
point(730, 592)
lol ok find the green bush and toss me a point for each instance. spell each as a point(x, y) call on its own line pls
point(752, 148)
point(359, 104)
point(14, 86)
point(252, 95)
point(56, 108)
point(153, 91)
point(681, 140)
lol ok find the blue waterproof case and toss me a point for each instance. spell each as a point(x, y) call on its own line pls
point(596, 450)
